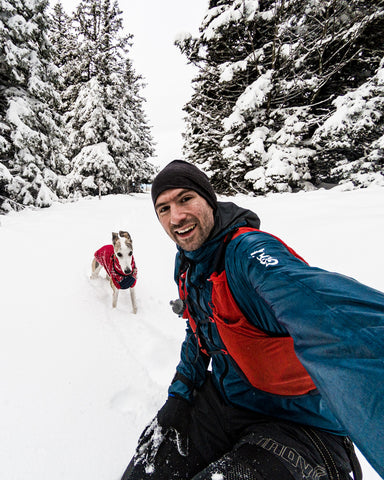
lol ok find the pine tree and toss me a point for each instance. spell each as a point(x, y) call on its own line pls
point(109, 139)
point(64, 42)
point(6, 13)
point(279, 68)
point(135, 130)
point(30, 135)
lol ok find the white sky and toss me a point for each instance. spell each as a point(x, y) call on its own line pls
point(155, 25)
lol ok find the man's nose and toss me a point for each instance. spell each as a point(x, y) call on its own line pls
point(177, 214)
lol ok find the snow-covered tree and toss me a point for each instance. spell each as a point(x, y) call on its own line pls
point(109, 137)
point(274, 78)
point(64, 44)
point(351, 140)
point(30, 135)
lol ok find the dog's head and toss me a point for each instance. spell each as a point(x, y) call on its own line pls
point(122, 244)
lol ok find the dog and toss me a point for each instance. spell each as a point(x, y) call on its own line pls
point(117, 260)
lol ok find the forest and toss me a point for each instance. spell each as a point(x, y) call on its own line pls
point(288, 96)
point(72, 121)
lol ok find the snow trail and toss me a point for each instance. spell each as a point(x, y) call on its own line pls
point(80, 380)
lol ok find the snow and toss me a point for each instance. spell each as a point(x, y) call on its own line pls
point(357, 110)
point(229, 69)
point(256, 141)
point(4, 173)
point(218, 16)
point(252, 97)
point(182, 37)
point(217, 476)
point(230, 15)
point(80, 380)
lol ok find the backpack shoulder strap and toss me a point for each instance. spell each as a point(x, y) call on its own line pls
point(219, 265)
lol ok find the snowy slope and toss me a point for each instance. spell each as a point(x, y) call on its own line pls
point(79, 380)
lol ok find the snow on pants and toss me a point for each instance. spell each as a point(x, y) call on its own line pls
point(227, 443)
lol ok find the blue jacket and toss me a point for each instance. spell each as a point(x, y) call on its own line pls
point(336, 323)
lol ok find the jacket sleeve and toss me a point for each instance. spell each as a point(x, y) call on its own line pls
point(337, 325)
point(191, 370)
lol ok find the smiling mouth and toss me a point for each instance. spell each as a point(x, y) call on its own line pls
point(185, 231)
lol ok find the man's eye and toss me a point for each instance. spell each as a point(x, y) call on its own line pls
point(186, 198)
point(163, 209)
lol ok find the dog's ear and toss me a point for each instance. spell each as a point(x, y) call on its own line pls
point(125, 235)
point(115, 237)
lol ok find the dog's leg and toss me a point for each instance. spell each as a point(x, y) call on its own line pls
point(96, 267)
point(115, 294)
point(133, 299)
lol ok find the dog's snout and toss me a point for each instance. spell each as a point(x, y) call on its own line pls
point(127, 271)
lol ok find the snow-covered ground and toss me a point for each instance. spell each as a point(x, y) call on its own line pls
point(79, 380)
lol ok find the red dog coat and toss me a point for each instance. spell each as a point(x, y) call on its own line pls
point(107, 258)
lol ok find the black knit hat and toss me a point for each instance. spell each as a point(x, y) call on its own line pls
point(181, 174)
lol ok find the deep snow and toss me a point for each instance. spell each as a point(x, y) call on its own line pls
point(80, 380)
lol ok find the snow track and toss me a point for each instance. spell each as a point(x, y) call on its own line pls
point(80, 380)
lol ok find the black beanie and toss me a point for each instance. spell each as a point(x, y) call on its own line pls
point(181, 174)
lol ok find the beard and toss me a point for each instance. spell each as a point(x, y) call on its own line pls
point(192, 232)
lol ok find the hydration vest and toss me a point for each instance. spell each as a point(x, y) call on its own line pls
point(268, 361)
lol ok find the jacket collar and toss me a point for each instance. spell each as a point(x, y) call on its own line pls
point(228, 217)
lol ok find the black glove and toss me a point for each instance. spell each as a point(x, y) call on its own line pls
point(175, 414)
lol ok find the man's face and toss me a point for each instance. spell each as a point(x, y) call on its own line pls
point(186, 216)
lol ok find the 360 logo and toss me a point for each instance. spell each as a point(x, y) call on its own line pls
point(264, 258)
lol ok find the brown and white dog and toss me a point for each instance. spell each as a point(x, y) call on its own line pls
point(117, 260)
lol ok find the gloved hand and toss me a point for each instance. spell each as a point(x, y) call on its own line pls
point(175, 414)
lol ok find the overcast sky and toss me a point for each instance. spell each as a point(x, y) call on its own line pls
point(155, 25)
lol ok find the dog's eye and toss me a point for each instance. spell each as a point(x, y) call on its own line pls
point(130, 253)
point(119, 254)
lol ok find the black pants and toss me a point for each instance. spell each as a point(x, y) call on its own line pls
point(229, 443)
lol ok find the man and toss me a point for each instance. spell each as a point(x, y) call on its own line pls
point(244, 403)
